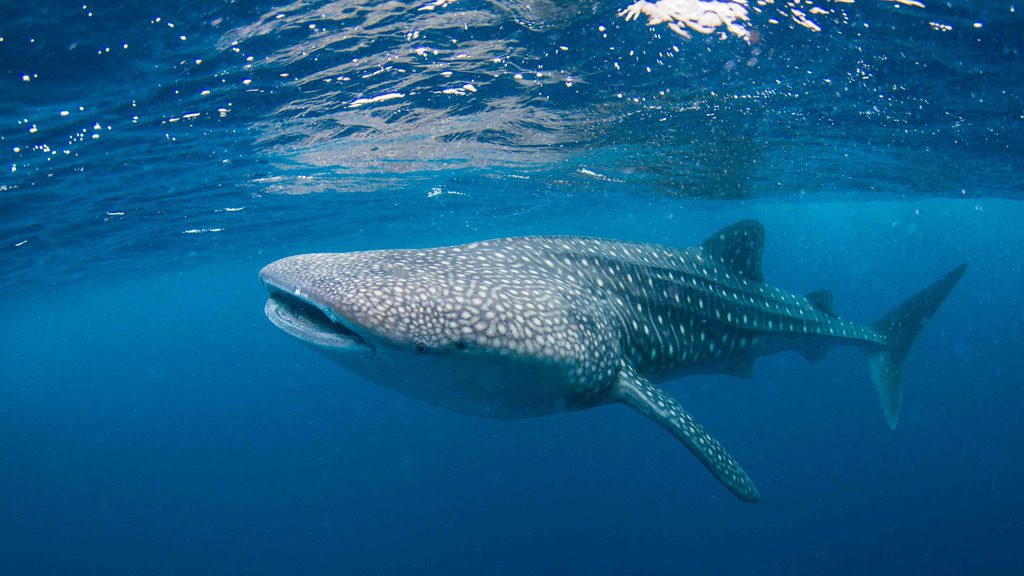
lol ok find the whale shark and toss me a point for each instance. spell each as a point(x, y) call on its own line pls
point(528, 326)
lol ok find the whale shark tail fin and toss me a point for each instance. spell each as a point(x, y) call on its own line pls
point(900, 326)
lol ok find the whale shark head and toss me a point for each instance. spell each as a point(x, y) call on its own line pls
point(419, 301)
point(357, 303)
point(456, 327)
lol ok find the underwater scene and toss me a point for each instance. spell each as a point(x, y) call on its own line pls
point(511, 287)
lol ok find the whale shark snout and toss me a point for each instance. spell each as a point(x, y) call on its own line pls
point(300, 307)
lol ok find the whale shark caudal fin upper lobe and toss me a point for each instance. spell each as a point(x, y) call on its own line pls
point(900, 326)
point(651, 401)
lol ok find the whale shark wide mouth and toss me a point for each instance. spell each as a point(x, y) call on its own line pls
point(309, 323)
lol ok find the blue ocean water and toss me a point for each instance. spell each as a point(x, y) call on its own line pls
point(155, 155)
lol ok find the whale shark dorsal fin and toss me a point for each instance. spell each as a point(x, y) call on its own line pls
point(822, 300)
point(651, 401)
point(739, 247)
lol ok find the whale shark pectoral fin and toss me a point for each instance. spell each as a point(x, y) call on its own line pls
point(651, 401)
point(740, 368)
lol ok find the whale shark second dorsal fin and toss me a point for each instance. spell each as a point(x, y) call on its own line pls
point(739, 248)
point(650, 400)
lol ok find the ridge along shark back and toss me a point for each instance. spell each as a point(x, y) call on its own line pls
point(520, 327)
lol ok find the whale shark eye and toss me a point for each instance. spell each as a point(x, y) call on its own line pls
point(420, 348)
point(460, 345)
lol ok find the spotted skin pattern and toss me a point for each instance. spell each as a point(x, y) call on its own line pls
point(518, 327)
point(653, 402)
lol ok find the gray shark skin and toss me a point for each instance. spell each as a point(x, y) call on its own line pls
point(520, 327)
